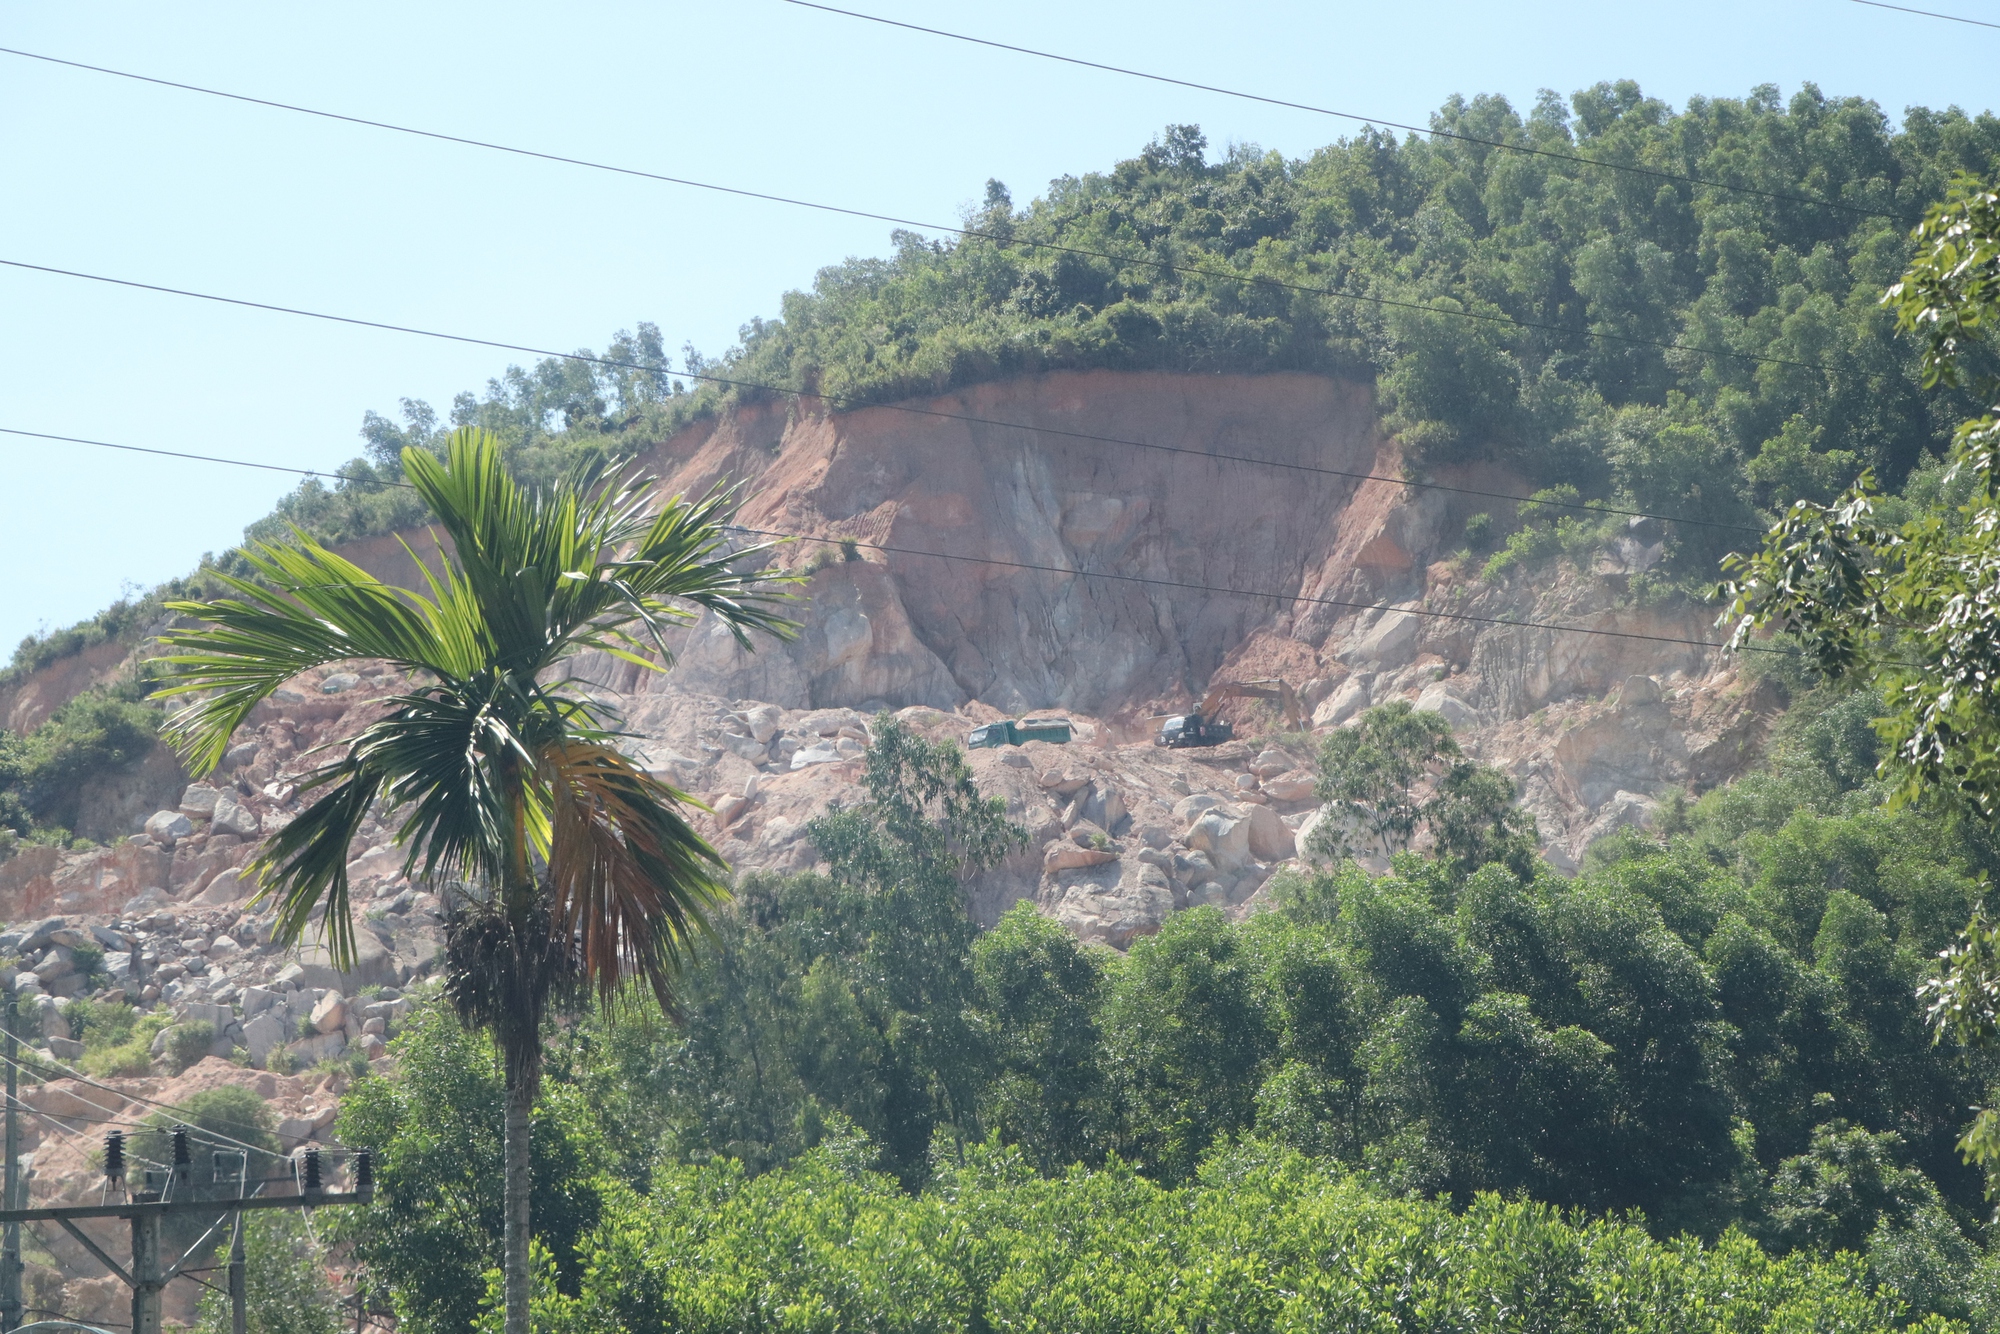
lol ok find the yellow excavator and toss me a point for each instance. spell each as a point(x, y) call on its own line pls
point(1200, 727)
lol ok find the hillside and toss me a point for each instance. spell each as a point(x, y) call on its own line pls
point(1055, 421)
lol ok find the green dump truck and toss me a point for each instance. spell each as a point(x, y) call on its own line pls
point(1018, 731)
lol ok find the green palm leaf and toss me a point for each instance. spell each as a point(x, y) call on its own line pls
point(501, 772)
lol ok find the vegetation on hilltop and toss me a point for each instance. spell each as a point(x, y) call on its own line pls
point(1605, 264)
point(1573, 273)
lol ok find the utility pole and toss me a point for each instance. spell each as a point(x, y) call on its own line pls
point(10, 1186)
point(239, 1290)
point(145, 1279)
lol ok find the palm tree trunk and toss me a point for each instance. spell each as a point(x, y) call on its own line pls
point(519, 1181)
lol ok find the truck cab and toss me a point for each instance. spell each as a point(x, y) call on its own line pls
point(1192, 729)
point(1019, 731)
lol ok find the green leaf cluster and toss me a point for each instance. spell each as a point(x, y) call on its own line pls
point(1262, 1240)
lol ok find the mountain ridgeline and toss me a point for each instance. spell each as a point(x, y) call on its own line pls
point(1705, 350)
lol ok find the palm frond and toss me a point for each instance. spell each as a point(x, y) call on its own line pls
point(574, 566)
point(434, 753)
point(314, 607)
point(304, 865)
point(628, 876)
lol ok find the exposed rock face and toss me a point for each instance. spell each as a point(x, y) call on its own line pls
point(901, 628)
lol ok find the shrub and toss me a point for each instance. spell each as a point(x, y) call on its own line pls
point(117, 1039)
point(89, 961)
point(188, 1042)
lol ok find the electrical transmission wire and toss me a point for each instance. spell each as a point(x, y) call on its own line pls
point(847, 401)
point(1927, 13)
point(69, 1073)
point(1165, 266)
point(1183, 585)
point(76, 1138)
point(178, 454)
point(1655, 173)
point(1432, 130)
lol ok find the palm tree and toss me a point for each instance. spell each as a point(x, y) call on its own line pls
point(565, 868)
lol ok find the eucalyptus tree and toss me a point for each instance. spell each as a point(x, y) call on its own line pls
point(568, 868)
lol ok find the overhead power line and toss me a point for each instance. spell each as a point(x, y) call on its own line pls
point(995, 562)
point(191, 1117)
point(1927, 13)
point(179, 454)
point(1431, 130)
point(1655, 173)
point(1005, 239)
point(1108, 439)
point(616, 363)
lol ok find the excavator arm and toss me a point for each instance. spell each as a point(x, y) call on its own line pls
point(1273, 689)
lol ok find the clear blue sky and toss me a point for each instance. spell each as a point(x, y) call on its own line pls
point(112, 177)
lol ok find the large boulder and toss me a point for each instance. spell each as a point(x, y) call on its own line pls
point(199, 799)
point(168, 827)
point(1270, 839)
point(232, 818)
point(1223, 832)
point(1437, 698)
point(1298, 785)
point(1065, 781)
point(1351, 698)
point(262, 1034)
point(50, 1021)
point(762, 721)
point(1113, 906)
point(59, 962)
point(1105, 806)
point(227, 887)
point(374, 966)
point(330, 1013)
point(1063, 855)
point(1189, 808)
point(1302, 836)
point(1390, 642)
point(313, 1050)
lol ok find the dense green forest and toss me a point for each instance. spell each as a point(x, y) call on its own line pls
point(878, 1113)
